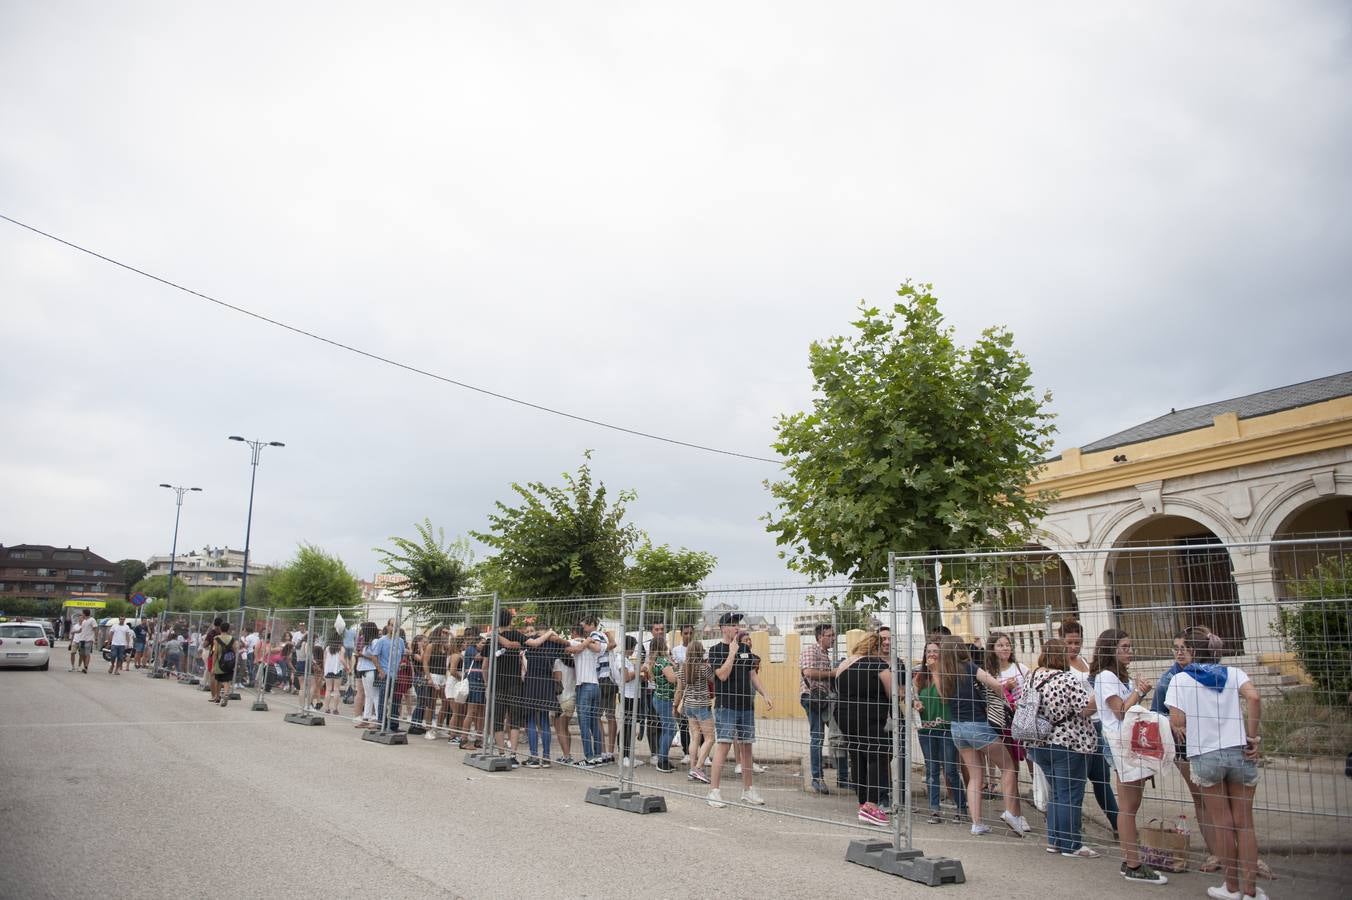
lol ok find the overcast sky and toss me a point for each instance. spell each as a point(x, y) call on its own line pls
point(640, 213)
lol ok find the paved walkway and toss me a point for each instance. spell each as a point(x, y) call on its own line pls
point(162, 794)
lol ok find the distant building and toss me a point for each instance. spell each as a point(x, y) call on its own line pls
point(750, 621)
point(43, 572)
point(210, 567)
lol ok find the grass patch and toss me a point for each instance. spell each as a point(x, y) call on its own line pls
point(1306, 724)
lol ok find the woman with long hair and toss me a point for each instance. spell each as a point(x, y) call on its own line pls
point(936, 738)
point(434, 680)
point(472, 661)
point(454, 711)
point(1218, 711)
point(693, 702)
point(662, 671)
point(366, 675)
point(1114, 694)
point(1098, 771)
point(999, 661)
point(1064, 757)
point(960, 683)
point(863, 705)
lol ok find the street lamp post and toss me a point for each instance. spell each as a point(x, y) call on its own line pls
point(179, 491)
point(257, 448)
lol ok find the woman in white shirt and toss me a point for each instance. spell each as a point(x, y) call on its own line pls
point(1114, 694)
point(335, 664)
point(1012, 674)
point(1204, 703)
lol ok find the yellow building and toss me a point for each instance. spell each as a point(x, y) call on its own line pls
point(1214, 482)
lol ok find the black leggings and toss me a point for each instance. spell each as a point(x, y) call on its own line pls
point(868, 764)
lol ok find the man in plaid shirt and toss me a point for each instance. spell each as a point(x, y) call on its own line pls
point(816, 692)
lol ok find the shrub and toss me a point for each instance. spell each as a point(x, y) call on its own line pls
point(1319, 629)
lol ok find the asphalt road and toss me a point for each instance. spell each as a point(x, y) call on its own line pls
point(128, 787)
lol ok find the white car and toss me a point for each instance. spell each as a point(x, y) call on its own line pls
point(24, 645)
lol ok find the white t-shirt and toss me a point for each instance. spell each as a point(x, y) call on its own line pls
point(1215, 719)
point(333, 662)
point(120, 636)
point(86, 630)
point(1107, 684)
point(1017, 671)
point(298, 648)
point(586, 662)
point(678, 654)
point(1084, 679)
point(629, 687)
point(251, 642)
point(567, 678)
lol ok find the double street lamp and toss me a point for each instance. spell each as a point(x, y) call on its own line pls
point(257, 447)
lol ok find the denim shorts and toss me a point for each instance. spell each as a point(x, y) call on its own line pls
point(1215, 766)
point(699, 713)
point(735, 726)
point(973, 735)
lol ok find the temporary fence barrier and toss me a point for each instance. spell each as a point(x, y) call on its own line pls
point(1280, 609)
point(1276, 610)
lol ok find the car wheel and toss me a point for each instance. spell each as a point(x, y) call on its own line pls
point(43, 667)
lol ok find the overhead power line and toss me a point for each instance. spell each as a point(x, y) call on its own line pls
point(384, 359)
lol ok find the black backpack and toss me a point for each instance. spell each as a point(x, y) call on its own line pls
point(225, 656)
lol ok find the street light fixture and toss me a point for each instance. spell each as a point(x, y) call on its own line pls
point(257, 448)
point(179, 491)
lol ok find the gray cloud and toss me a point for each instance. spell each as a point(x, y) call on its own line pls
point(641, 215)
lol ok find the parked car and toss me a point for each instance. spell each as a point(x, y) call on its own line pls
point(24, 645)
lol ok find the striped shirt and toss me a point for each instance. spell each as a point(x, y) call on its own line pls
point(695, 694)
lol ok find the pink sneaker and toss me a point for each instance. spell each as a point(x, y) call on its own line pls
point(870, 814)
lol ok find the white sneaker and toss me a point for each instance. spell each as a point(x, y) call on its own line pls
point(979, 828)
point(429, 735)
point(750, 796)
point(686, 760)
point(1026, 827)
point(756, 769)
point(1221, 892)
point(715, 799)
point(1013, 822)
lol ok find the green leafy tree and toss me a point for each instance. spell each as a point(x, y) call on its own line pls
point(216, 599)
point(1319, 629)
point(672, 579)
point(431, 568)
point(133, 570)
point(561, 541)
point(314, 578)
point(913, 443)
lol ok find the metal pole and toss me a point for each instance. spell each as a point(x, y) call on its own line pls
point(633, 720)
point(248, 522)
point(489, 666)
point(309, 658)
point(899, 712)
point(624, 611)
point(910, 701)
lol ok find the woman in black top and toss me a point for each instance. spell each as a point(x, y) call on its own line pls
point(864, 702)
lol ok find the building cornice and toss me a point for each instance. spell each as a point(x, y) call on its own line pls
point(1089, 475)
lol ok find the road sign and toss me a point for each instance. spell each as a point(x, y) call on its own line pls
point(138, 598)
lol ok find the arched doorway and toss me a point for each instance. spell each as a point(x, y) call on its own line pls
point(1031, 583)
point(1157, 591)
point(1322, 521)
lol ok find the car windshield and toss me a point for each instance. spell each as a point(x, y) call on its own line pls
point(21, 631)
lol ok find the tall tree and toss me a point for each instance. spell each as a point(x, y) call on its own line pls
point(431, 568)
point(560, 541)
point(672, 579)
point(133, 570)
point(314, 578)
point(913, 443)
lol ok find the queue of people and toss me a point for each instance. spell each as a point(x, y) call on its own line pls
point(967, 702)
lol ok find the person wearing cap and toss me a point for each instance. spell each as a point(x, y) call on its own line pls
point(736, 685)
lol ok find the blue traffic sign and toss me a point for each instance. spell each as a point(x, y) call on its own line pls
point(138, 598)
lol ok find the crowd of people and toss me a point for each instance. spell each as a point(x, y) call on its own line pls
point(967, 702)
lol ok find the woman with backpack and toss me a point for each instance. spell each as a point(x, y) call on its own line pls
point(1114, 694)
point(224, 649)
point(960, 686)
point(1063, 703)
point(1219, 712)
